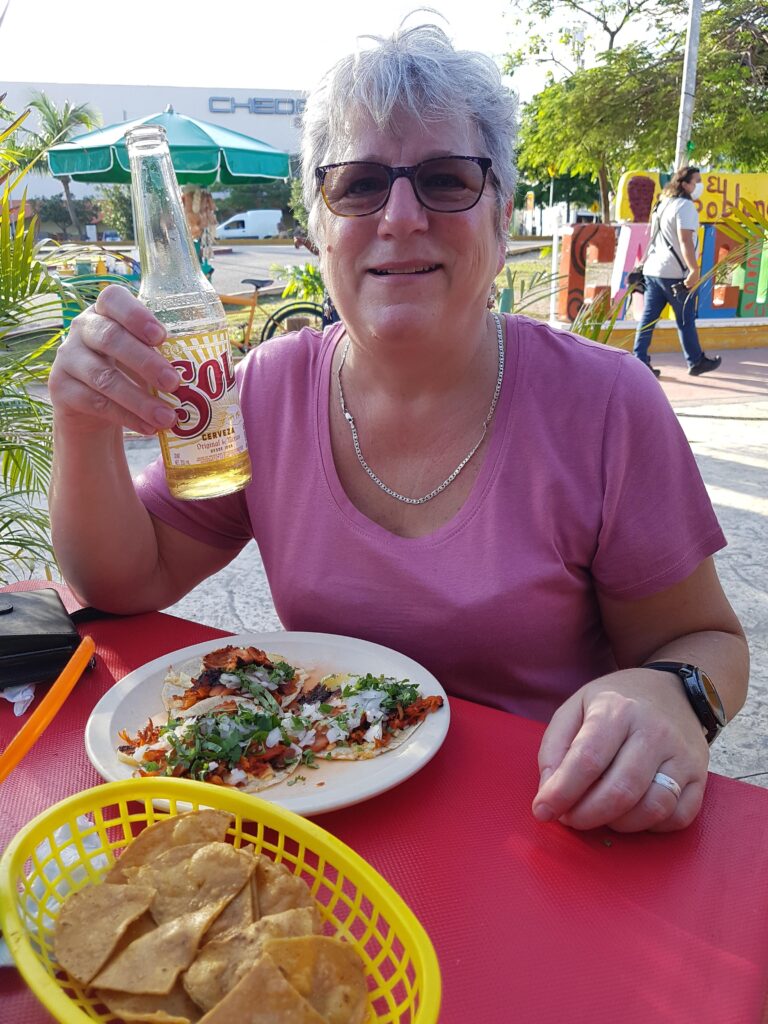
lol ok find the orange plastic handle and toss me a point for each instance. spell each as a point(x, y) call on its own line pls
point(44, 713)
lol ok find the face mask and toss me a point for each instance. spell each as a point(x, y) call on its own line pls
point(698, 189)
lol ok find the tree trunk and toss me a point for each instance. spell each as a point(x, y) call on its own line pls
point(71, 208)
point(605, 199)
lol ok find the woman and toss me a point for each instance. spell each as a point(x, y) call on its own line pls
point(671, 270)
point(465, 488)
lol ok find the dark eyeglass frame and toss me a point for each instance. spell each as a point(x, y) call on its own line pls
point(393, 173)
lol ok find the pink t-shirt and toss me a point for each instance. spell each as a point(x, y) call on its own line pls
point(588, 484)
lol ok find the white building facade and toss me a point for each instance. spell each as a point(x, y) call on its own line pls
point(270, 115)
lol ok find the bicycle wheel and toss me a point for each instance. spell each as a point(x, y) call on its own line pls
point(278, 323)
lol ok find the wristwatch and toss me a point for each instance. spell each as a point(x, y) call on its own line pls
point(701, 693)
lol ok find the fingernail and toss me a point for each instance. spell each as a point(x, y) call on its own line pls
point(154, 332)
point(168, 379)
point(542, 812)
point(164, 417)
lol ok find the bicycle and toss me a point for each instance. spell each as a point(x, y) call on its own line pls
point(250, 300)
point(293, 317)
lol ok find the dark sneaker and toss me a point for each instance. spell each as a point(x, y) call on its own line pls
point(654, 371)
point(704, 365)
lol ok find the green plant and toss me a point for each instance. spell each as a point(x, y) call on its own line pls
point(596, 320)
point(526, 289)
point(304, 282)
point(117, 209)
point(31, 296)
point(298, 209)
point(57, 124)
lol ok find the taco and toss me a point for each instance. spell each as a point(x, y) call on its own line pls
point(242, 718)
point(364, 717)
point(231, 744)
point(238, 673)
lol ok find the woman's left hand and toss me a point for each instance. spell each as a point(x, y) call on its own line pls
point(604, 745)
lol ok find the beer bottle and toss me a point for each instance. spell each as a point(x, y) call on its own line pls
point(204, 452)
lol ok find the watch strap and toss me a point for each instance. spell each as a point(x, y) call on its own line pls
point(690, 676)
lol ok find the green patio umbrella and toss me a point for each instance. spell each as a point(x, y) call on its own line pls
point(202, 154)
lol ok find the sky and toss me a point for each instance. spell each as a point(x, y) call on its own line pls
point(284, 44)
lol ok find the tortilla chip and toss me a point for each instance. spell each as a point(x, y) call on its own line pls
point(327, 972)
point(91, 923)
point(254, 886)
point(279, 890)
point(221, 964)
point(202, 826)
point(151, 964)
point(215, 872)
point(263, 996)
point(174, 1008)
point(236, 916)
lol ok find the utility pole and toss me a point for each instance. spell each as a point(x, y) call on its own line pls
point(688, 92)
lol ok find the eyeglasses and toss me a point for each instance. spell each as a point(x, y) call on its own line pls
point(446, 184)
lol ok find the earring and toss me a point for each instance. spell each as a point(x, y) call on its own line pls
point(492, 296)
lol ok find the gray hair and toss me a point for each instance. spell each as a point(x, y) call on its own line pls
point(418, 72)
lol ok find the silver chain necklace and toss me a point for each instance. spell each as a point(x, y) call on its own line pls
point(449, 480)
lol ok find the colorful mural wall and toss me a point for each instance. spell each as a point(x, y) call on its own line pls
point(744, 295)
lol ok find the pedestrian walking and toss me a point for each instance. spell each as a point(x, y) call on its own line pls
point(671, 271)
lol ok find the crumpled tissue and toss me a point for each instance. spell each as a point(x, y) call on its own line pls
point(20, 696)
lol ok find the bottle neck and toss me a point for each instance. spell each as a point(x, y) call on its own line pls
point(169, 263)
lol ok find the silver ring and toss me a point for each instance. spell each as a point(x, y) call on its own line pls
point(668, 783)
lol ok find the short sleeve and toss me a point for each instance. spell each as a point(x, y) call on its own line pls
point(658, 523)
point(220, 522)
point(688, 215)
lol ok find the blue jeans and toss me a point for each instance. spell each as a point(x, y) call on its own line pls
point(658, 294)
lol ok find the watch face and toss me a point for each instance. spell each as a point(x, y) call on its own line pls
point(713, 698)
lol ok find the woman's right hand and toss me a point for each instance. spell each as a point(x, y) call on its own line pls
point(692, 278)
point(105, 369)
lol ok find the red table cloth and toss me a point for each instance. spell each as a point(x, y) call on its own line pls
point(532, 923)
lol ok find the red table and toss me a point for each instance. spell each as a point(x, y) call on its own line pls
point(532, 923)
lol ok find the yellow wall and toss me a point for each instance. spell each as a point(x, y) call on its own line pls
point(722, 192)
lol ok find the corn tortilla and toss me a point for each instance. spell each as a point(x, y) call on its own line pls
point(204, 826)
point(222, 963)
point(263, 996)
point(91, 923)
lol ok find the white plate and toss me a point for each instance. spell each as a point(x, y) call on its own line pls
point(333, 784)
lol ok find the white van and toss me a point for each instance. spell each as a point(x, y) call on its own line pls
point(251, 224)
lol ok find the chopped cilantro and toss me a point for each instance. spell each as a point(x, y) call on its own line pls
point(223, 738)
point(398, 691)
point(325, 709)
point(281, 672)
point(295, 779)
point(308, 758)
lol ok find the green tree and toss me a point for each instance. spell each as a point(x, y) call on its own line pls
point(31, 295)
point(53, 209)
point(575, 190)
point(558, 30)
point(603, 120)
point(264, 195)
point(57, 124)
point(298, 209)
point(117, 208)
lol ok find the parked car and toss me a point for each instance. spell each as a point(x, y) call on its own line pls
point(251, 224)
point(110, 236)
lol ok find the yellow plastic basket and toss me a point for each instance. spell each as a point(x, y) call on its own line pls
point(45, 862)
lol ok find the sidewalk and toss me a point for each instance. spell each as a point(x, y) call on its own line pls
point(725, 417)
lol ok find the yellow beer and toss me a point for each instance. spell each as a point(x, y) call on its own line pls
point(205, 452)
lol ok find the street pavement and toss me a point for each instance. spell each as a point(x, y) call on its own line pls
point(725, 417)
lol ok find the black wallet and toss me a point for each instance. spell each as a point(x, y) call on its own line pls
point(37, 637)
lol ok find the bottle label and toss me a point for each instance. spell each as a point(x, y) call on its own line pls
point(209, 423)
